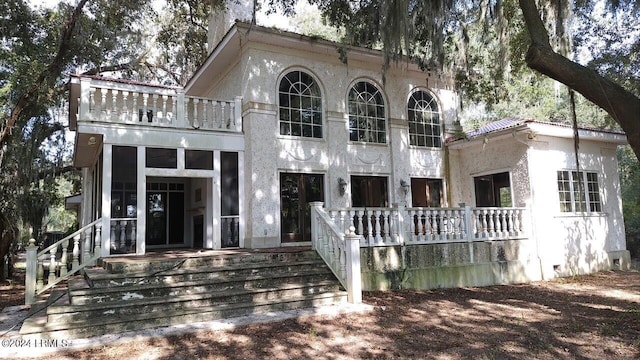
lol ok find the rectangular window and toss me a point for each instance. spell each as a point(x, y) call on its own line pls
point(426, 192)
point(579, 191)
point(198, 159)
point(161, 158)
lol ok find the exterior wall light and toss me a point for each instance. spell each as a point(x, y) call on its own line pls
point(404, 186)
point(342, 186)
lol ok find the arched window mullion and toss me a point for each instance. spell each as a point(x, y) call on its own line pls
point(423, 117)
point(301, 114)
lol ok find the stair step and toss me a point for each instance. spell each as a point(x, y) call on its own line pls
point(188, 301)
point(100, 278)
point(137, 264)
point(134, 293)
point(116, 325)
point(131, 292)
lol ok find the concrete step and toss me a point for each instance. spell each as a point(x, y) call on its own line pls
point(72, 313)
point(101, 278)
point(206, 260)
point(120, 324)
point(132, 292)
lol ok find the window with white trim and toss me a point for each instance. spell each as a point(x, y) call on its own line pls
point(367, 114)
point(300, 105)
point(579, 191)
point(424, 120)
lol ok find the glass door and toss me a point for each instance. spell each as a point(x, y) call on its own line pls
point(165, 214)
point(296, 192)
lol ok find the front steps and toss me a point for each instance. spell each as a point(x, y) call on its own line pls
point(135, 293)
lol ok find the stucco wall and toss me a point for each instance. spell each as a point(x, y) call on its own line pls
point(495, 155)
point(576, 243)
point(268, 153)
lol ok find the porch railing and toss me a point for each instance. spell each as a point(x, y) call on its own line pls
point(123, 235)
point(61, 260)
point(339, 250)
point(396, 226)
point(123, 103)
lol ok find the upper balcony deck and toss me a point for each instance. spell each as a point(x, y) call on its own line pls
point(122, 103)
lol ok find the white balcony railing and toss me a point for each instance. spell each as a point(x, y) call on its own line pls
point(396, 226)
point(121, 103)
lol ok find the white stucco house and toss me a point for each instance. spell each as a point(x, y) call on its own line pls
point(274, 121)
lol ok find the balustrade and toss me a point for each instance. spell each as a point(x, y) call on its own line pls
point(392, 226)
point(156, 106)
point(123, 236)
point(52, 263)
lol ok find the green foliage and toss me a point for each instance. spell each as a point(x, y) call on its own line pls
point(630, 188)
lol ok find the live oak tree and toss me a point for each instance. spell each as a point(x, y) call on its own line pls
point(38, 48)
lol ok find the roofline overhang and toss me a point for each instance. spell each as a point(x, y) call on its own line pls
point(535, 129)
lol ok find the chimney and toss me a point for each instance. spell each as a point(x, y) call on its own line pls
point(224, 14)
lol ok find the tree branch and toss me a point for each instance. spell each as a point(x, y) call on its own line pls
point(46, 79)
point(622, 105)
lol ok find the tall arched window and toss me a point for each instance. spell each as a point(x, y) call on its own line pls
point(300, 105)
point(366, 114)
point(424, 120)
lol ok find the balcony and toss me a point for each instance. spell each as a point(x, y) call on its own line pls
point(118, 102)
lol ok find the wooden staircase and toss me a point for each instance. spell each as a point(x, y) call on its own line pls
point(134, 293)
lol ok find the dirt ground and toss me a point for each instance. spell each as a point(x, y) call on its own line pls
point(585, 317)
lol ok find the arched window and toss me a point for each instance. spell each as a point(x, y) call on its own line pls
point(300, 105)
point(424, 120)
point(366, 114)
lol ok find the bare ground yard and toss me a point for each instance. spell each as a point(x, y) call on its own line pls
point(586, 317)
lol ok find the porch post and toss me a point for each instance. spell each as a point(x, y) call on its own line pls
point(241, 197)
point(141, 204)
point(354, 277)
point(30, 276)
point(107, 161)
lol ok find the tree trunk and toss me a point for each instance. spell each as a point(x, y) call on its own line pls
point(622, 105)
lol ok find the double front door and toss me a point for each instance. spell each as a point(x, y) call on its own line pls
point(296, 192)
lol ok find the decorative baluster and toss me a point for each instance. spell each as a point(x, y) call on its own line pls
point(92, 100)
point(215, 121)
point(422, 219)
point(40, 275)
point(503, 223)
point(86, 247)
point(463, 226)
point(485, 233)
point(97, 244)
point(492, 223)
point(123, 234)
point(52, 265)
point(517, 222)
point(164, 118)
point(360, 222)
point(447, 226)
point(103, 103)
point(63, 258)
point(135, 116)
point(75, 260)
point(435, 228)
point(342, 219)
point(174, 111)
point(196, 124)
point(113, 235)
point(134, 235)
point(114, 105)
point(377, 229)
point(205, 114)
point(154, 109)
point(223, 118)
point(370, 238)
point(124, 116)
point(145, 108)
point(387, 225)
